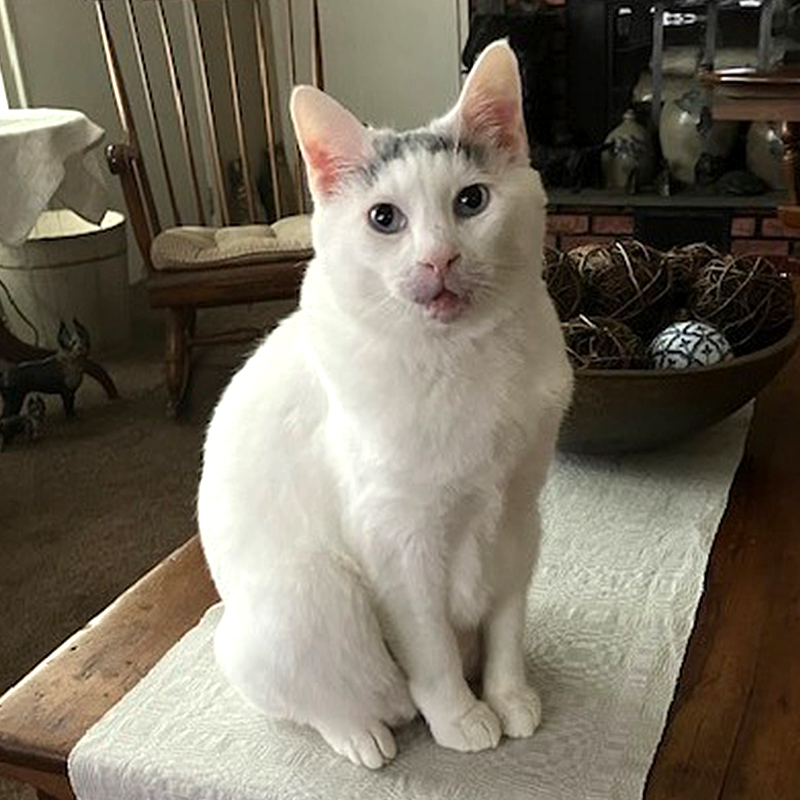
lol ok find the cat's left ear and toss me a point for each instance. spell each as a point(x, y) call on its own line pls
point(333, 142)
point(489, 109)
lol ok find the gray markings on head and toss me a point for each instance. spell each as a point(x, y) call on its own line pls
point(393, 146)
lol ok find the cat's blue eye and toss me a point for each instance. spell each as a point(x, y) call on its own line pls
point(386, 218)
point(471, 200)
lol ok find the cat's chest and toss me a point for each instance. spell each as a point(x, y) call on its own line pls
point(444, 424)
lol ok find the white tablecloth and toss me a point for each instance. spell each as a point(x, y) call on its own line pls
point(625, 547)
point(47, 155)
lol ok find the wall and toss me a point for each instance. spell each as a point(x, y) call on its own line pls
point(61, 58)
point(392, 64)
point(13, 89)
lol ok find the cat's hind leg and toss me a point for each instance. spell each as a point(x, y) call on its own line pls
point(308, 647)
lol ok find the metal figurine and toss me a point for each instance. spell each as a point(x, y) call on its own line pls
point(60, 373)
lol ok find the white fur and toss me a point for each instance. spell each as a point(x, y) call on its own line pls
point(371, 475)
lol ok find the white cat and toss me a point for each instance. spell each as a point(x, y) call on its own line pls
point(369, 493)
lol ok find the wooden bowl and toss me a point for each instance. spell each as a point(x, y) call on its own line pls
point(617, 411)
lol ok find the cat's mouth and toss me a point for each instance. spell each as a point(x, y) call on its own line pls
point(446, 305)
point(444, 298)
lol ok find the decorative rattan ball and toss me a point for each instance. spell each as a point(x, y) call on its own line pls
point(747, 298)
point(602, 343)
point(627, 281)
point(685, 263)
point(563, 282)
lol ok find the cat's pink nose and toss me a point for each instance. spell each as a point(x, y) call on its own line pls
point(441, 261)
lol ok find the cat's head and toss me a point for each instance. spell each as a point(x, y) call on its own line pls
point(442, 223)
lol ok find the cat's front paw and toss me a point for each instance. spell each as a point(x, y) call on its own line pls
point(368, 745)
point(519, 709)
point(478, 729)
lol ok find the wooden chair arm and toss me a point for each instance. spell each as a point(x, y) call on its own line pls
point(119, 157)
point(122, 161)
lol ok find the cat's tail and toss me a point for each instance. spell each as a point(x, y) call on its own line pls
point(307, 646)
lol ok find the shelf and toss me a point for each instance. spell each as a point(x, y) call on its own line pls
point(687, 199)
point(721, 4)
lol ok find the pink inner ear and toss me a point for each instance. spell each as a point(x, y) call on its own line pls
point(333, 142)
point(497, 120)
point(324, 167)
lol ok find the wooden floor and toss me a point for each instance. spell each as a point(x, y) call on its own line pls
point(734, 727)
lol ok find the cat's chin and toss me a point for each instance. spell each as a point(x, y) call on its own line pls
point(447, 306)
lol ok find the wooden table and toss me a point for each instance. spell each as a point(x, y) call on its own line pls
point(734, 726)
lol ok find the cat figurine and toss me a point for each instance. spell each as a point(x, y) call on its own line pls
point(369, 491)
point(60, 373)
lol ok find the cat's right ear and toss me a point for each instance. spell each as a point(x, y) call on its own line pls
point(333, 142)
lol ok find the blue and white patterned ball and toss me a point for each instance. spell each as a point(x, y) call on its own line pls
point(682, 345)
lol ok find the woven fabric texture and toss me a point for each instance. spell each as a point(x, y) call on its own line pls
point(196, 247)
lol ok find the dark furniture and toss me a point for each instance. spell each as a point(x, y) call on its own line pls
point(772, 96)
point(565, 103)
point(614, 36)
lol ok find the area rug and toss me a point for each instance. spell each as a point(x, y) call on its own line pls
point(611, 607)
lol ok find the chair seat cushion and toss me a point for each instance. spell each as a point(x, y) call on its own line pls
point(195, 247)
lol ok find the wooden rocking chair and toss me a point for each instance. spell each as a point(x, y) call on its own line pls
point(199, 265)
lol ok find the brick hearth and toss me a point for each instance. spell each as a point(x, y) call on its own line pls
point(752, 230)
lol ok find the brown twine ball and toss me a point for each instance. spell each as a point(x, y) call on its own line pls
point(747, 298)
point(602, 343)
point(563, 282)
point(627, 281)
point(685, 263)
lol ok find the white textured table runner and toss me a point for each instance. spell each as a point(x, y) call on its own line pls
point(610, 611)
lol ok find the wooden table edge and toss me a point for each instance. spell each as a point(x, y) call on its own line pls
point(16, 755)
